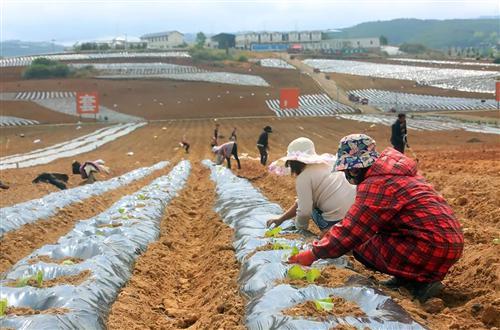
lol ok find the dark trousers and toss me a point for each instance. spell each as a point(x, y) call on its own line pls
point(400, 147)
point(185, 145)
point(263, 155)
point(234, 153)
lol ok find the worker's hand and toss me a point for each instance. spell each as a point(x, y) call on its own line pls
point(276, 222)
point(304, 258)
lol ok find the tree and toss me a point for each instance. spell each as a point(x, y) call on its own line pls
point(200, 39)
point(383, 40)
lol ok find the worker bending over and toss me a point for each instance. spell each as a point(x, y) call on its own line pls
point(322, 195)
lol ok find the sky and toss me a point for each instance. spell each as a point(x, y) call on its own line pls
point(68, 21)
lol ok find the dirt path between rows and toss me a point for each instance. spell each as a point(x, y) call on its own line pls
point(19, 243)
point(186, 279)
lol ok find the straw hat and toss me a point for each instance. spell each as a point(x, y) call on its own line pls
point(302, 150)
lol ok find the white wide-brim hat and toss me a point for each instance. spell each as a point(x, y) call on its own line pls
point(302, 150)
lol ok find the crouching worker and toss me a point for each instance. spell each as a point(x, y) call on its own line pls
point(398, 224)
point(88, 169)
point(225, 151)
point(322, 195)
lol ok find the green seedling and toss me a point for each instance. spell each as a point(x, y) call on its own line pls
point(121, 210)
point(279, 246)
point(3, 306)
point(295, 251)
point(297, 273)
point(68, 262)
point(312, 275)
point(273, 232)
point(496, 241)
point(99, 233)
point(39, 278)
point(325, 304)
point(142, 197)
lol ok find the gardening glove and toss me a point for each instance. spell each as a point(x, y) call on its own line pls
point(305, 258)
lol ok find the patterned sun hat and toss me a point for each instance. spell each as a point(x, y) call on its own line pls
point(356, 151)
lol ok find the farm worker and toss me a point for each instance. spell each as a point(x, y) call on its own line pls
point(224, 151)
point(88, 169)
point(233, 135)
point(184, 143)
point(398, 225)
point(263, 144)
point(399, 134)
point(322, 195)
point(215, 137)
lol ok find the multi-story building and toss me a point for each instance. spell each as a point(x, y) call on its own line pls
point(163, 40)
point(308, 40)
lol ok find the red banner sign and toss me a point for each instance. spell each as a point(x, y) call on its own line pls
point(498, 90)
point(289, 98)
point(87, 102)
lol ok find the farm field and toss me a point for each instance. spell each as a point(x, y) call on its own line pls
point(160, 249)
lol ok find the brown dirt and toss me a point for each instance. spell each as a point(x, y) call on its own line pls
point(186, 279)
point(19, 243)
point(12, 143)
point(24, 311)
point(31, 110)
point(49, 260)
point(341, 308)
point(136, 97)
point(61, 280)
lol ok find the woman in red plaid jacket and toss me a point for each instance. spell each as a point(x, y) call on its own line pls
point(398, 224)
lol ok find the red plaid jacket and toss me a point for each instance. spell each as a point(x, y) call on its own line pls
point(398, 224)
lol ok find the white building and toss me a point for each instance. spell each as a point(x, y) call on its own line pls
point(163, 40)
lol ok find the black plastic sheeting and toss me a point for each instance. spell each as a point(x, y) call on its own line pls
point(246, 210)
point(108, 252)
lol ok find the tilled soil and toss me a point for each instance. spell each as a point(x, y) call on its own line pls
point(19, 243)
point(186, 279)
point(466, 174)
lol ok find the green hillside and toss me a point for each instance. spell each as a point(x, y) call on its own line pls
point(437, 34)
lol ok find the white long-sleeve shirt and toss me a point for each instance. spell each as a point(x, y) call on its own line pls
point(318, 187)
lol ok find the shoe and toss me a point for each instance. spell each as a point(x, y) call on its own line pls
point(424, 291)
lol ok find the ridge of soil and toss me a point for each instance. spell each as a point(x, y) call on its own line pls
point(49, 260)
point(24, 311)
point(187, 278)
point(17, 244)
point(341, 308)
point(76, 279)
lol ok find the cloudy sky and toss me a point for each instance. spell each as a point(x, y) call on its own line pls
point(67, 21)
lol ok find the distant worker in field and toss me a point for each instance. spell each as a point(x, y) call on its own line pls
point(225, 151)
point(215, 137)
point(398, 225)
point(185, 144)
point(233, 135)
point(322, 195)
point(88, 169)
point(263, 144)
point(399, 133)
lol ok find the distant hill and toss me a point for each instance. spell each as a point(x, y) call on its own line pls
point(22, 48)
point(438, 34)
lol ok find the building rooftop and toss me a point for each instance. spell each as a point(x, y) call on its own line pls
point(159, 34)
